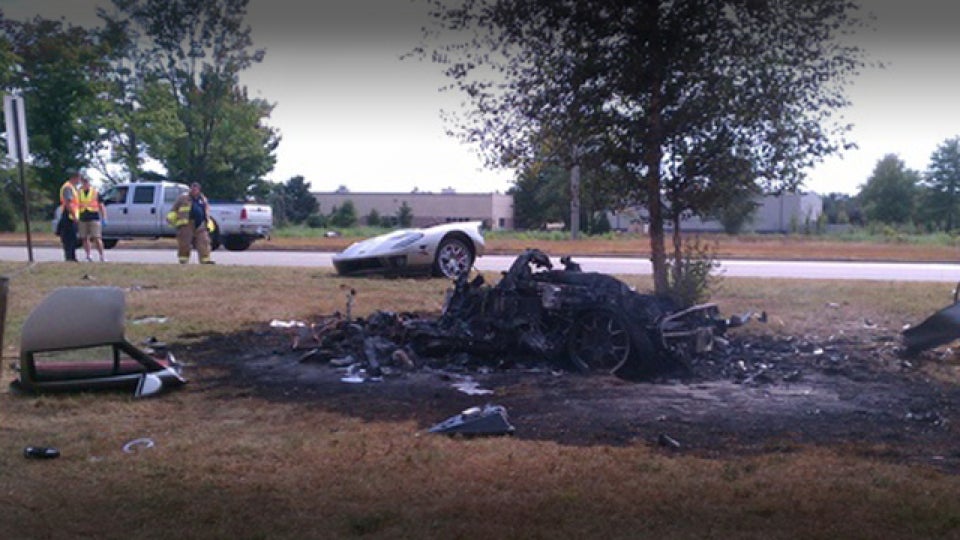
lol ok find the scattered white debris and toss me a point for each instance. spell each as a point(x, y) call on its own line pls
point(471, 388)
point(132, 446)
point(150, 320)
point(286, 324)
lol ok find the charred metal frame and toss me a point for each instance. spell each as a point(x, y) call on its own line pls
point(592, 320)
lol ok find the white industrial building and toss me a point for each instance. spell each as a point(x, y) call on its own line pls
point(785, 213)
point(494, 209)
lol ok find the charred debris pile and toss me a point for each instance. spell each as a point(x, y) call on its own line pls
point(538, 317)
point(546, 318)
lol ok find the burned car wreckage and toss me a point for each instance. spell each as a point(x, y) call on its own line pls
point(587, 321)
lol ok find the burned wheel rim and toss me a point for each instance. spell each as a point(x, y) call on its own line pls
point(453, 258)
point(599, 341)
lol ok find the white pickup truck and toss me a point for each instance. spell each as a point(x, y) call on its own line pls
point(139, 210)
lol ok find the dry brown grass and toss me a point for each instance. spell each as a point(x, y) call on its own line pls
point(228, 465)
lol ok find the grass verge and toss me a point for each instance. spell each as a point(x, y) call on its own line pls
point(229, 465)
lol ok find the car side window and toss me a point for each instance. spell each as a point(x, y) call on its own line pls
point(115, 195)
point(143, 194)
point(170, 194)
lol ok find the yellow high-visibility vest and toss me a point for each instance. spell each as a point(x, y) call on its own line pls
point(88, 200)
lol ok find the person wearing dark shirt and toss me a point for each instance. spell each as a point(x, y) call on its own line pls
point(190, 216)
point(92, 214)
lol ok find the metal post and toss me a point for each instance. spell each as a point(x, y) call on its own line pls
point(4, 289)
point(23, 182)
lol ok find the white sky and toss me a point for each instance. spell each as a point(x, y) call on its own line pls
point(351, 113)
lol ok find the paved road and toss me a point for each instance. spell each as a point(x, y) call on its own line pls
point(612, 265)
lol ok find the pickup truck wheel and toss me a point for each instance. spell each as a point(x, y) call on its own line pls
point(236, 243)
point(454, 257)
point(109, 243)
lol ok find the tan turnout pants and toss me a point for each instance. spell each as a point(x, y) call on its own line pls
point(187, 237)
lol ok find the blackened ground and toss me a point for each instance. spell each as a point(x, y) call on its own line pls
point(757, 395)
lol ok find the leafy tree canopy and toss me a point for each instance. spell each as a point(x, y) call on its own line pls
point(943, 181)
point(888, 195)
point(343, 216)
point(60, 69)
point(208, 128)
point(671, 94)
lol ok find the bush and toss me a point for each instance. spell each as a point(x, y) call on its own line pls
point(692, 282)
point(343, 216)
point(8, 216)
point(405, 215)
point(316, 221)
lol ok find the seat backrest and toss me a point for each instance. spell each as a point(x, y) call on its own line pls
point(74, 317)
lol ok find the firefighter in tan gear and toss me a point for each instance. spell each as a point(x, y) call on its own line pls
point(190, 215)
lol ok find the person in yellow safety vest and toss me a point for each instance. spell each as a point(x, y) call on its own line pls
point(92, 213)
point(69, 215)
point(190, 215)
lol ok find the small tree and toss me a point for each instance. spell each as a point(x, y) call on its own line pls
point(300, 202)
point(599, 223)
point(405, 215)
point(343, 216)
point(277, 199)
point(8, 216)
point(888, 195)
point(373, 218)
point(698, 278)
point(943, 180)
point(316, 221)
point(735, 214)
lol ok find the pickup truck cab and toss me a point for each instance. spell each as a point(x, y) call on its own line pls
point(139, 210)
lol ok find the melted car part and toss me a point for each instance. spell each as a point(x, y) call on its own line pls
point(938, 329)
point(74, 340)
point(488, 420)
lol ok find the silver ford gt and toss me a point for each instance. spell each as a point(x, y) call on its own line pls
point(446, 250)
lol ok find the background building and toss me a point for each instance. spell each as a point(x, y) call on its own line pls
point(495, 209)
point(785, 213)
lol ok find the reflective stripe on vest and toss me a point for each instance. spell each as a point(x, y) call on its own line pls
point(183, 216)
point(72, 209)
point(88, 200)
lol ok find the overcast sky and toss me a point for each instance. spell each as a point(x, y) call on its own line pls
point(351, 113)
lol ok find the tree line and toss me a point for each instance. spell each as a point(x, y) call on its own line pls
point(897, 196)
point(293, 204)
point(892, 196)
point(157, 82)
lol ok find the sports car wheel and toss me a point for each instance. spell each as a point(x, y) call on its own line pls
point(454, 257)
point(599, 341)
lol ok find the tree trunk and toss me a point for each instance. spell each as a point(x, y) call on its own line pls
point(658, 254)
point(677, 250)
point(653, 150)
point(575, 202)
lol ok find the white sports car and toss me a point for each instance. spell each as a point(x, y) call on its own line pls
point(446, 250)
